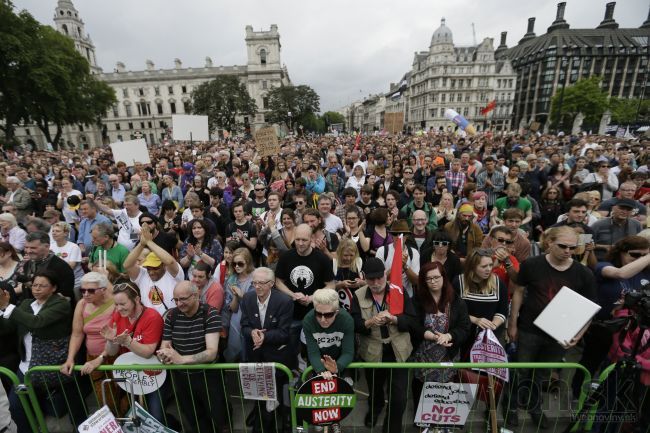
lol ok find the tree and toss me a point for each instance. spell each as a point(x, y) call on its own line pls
point(332, 117)
point(301, 101)
point(48, 82)
point(585, 96)
point(624, 111)
point(222, 100)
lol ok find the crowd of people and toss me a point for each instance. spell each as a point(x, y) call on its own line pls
point(213, 253)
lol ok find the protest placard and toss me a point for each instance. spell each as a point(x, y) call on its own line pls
point(102, 421)
point(144, 381)
point(394, 122)
point(487, 348)
point(130, 152)
point(445, 403)
point(323, 402)
point(266, 141)
point(190, 127)
point(258, 381)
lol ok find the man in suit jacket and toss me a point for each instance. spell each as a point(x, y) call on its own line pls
point(20, 197)
point(265, 323)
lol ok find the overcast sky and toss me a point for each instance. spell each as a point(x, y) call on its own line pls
point(343, 49)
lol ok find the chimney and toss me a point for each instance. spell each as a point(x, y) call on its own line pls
point(502, 46)
point(646, 23)
point(559, 22)
point(530, 33)
point(608, 22)
point(503, 39)
point(178, 64)
point(150, 65)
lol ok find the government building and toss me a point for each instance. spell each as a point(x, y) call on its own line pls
point(147, 98)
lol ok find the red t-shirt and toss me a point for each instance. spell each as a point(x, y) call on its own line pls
point(147, 330)
point(501, 272)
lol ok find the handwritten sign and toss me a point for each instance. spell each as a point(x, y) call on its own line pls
point(266, 141)
point(394, 122)
point(445, 403)
point(144, 381)
point(487, 348)
point(324, 402)
point(258, 381)
point(102, 421)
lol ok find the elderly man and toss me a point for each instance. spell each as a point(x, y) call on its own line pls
point(117, 189)
point(89, 219)
point(383, 337)
point(608, 231)
point(127, 220)
point(265, 325)
point(19, 197)
point(104, 244)
point(628, 191)
point(191, 336)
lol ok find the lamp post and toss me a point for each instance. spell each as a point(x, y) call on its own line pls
point(289, 114)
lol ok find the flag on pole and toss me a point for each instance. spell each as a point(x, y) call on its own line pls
point(395, 297)
point(490, 106)
point(357, 141)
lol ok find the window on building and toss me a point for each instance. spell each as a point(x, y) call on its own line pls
point(141, 125)
point(118, 127)
point(444, 82)
point(149, 125)
point(452, 83)
point(27, 131)
point(161, 123)
point(498, 84)
point(467, 97)
point(184, 89)
point(128, 110)
point(156, 90)
point(65, 29)
point(186, 106)
point(170, 90)
point(116, 112)
point(159, 107)
point(265, 102)
point(119, 137)
point(264, 84)
point(172, 107)
point(141, 91)
point(452, 97)
point(143, 109)
point(125, 93)
point(130, 125)
point(466, 111)
point(443, 97)
point(459, 97)
point(263, 56)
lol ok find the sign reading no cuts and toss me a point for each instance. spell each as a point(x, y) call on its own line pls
point(445, 403)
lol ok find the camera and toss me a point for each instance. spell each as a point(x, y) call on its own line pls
point(638, 301)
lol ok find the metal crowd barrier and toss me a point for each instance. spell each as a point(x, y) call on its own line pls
point(76, 392)
point(475, 421)
point(21, 392)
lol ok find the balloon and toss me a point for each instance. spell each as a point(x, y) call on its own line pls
point(460, 121)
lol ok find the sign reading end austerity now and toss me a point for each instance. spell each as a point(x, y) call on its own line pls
point(324, 402)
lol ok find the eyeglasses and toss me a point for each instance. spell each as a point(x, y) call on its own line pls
point(567, 247)
point(504, 241)
point(327, 315)
point(300, 202)
point(441, 243)
point(604, 166)
point(260, 189)
point(89, 291)
point(636, 254)
point(260, 283)
point(183, 299)
point(147, 222)
point(239, 264)
point(433, 279)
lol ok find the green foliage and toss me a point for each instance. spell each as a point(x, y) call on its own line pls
point(624, 111)
point(301, 101)
point(44, 80)
point(332, 117)
point(585, 96)
point(222, 100)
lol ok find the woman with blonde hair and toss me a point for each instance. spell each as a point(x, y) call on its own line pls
point(445, 211)
point(237, 285)
point(11, 233)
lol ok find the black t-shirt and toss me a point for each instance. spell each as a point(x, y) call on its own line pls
point(542, 282)
point(256, 209)
point(248, 228)
point(165, 241)
point(304, 274)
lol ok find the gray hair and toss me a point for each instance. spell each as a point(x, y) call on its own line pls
point(326, 297)
point(39, 223)
point(13, 179)
point(95, 278)
point(9, 218)
point(266, 271)
point(104, 229)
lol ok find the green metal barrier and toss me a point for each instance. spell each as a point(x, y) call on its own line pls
point(38, 422)
point(21, 392)
point(466, 365)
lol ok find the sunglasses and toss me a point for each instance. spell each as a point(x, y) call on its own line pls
point(604, 166)
point(635, 254)
point(89, 291)
point(329, 315)
point(441, 243)
point(567, 247)
point(147, 222)
point(260, 189)
point(300, 202)
point(504, 241)
point(239, 264)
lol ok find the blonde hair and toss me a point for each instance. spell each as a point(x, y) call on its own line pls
point(63, 226)
point(344, 245)
point(553, 233)
point(326, 297)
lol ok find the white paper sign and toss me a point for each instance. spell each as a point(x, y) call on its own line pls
point(487, 348)
point(258, 381)
point(566, 314)
point(186, 127)
point(102, 421)
point(144, 381)
point(148, 424)
point(445, 403)
point(130, 152)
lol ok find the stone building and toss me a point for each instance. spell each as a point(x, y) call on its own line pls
point(547, 63)
point(147, 98)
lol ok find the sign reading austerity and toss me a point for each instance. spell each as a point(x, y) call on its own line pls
point(324, 402)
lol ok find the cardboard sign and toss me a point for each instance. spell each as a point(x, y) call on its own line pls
point(144, 381)
point(324, 402)
point(266, 141)
point(487, 348)
point(258, 381)
point(394, 122)
point(190, 128)
point(102, 421)
point(445, 403)
point(130, 152)
point(148, 424)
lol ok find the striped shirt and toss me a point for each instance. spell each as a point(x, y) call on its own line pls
point(187, 334)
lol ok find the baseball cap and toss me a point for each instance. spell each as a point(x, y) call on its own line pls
point(374, 268)
point(625, 202)
point(151, 261)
